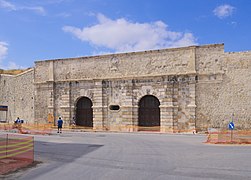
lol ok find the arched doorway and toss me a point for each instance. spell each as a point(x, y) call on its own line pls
point(149, 112)
point(84, 112)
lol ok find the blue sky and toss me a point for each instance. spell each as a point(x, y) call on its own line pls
point(32, 30)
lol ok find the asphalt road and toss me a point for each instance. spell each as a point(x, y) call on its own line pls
point(119, 156)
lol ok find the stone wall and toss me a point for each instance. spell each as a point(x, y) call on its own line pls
point(17, 92)
point(129, 65)
point(176, 100)
point(119, 79)
point(223, 88)
point(197, 86)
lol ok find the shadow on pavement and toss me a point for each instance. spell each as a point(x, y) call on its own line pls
point(53, 155)
point(62, 152)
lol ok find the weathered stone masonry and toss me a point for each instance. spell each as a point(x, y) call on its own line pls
point(17, 92)
point(197, 87)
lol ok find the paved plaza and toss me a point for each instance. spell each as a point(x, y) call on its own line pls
point(118, 156)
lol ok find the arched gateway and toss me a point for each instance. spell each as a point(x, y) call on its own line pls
point(84, 112)
point(149, 112)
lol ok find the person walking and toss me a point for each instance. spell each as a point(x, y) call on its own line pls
point(73, 122)
point(60, 125)
point(17, 121)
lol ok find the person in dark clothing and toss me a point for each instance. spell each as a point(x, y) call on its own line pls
point(60, 125)
point(17, 121)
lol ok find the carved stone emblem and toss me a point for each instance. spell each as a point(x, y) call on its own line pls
point(114, 64)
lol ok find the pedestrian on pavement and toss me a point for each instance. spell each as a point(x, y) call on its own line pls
point(73, 122)
point(17, 121)
point(60, 125)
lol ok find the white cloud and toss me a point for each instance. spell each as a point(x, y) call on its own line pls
point(13, 65)
point(37, 9)
point(223, 11)
point(12, 7)
point(3, 50)
point(7, 5)
point(185, 40)
point(122, 35)
point(3, 53)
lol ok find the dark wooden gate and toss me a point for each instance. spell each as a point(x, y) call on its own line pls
point(84, 112)
point(149, 111)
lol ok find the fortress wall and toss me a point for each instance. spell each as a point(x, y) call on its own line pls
point(6, 96)
point(67, 95)
point(17, 92)
point(52, 79)
point(42, 71)
point(224, 88)
point(236, 88)
point(221, 86)
point(44, 91)
point(43, 101)
point(135, 64)
point(123, 92)
point(209, 64)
